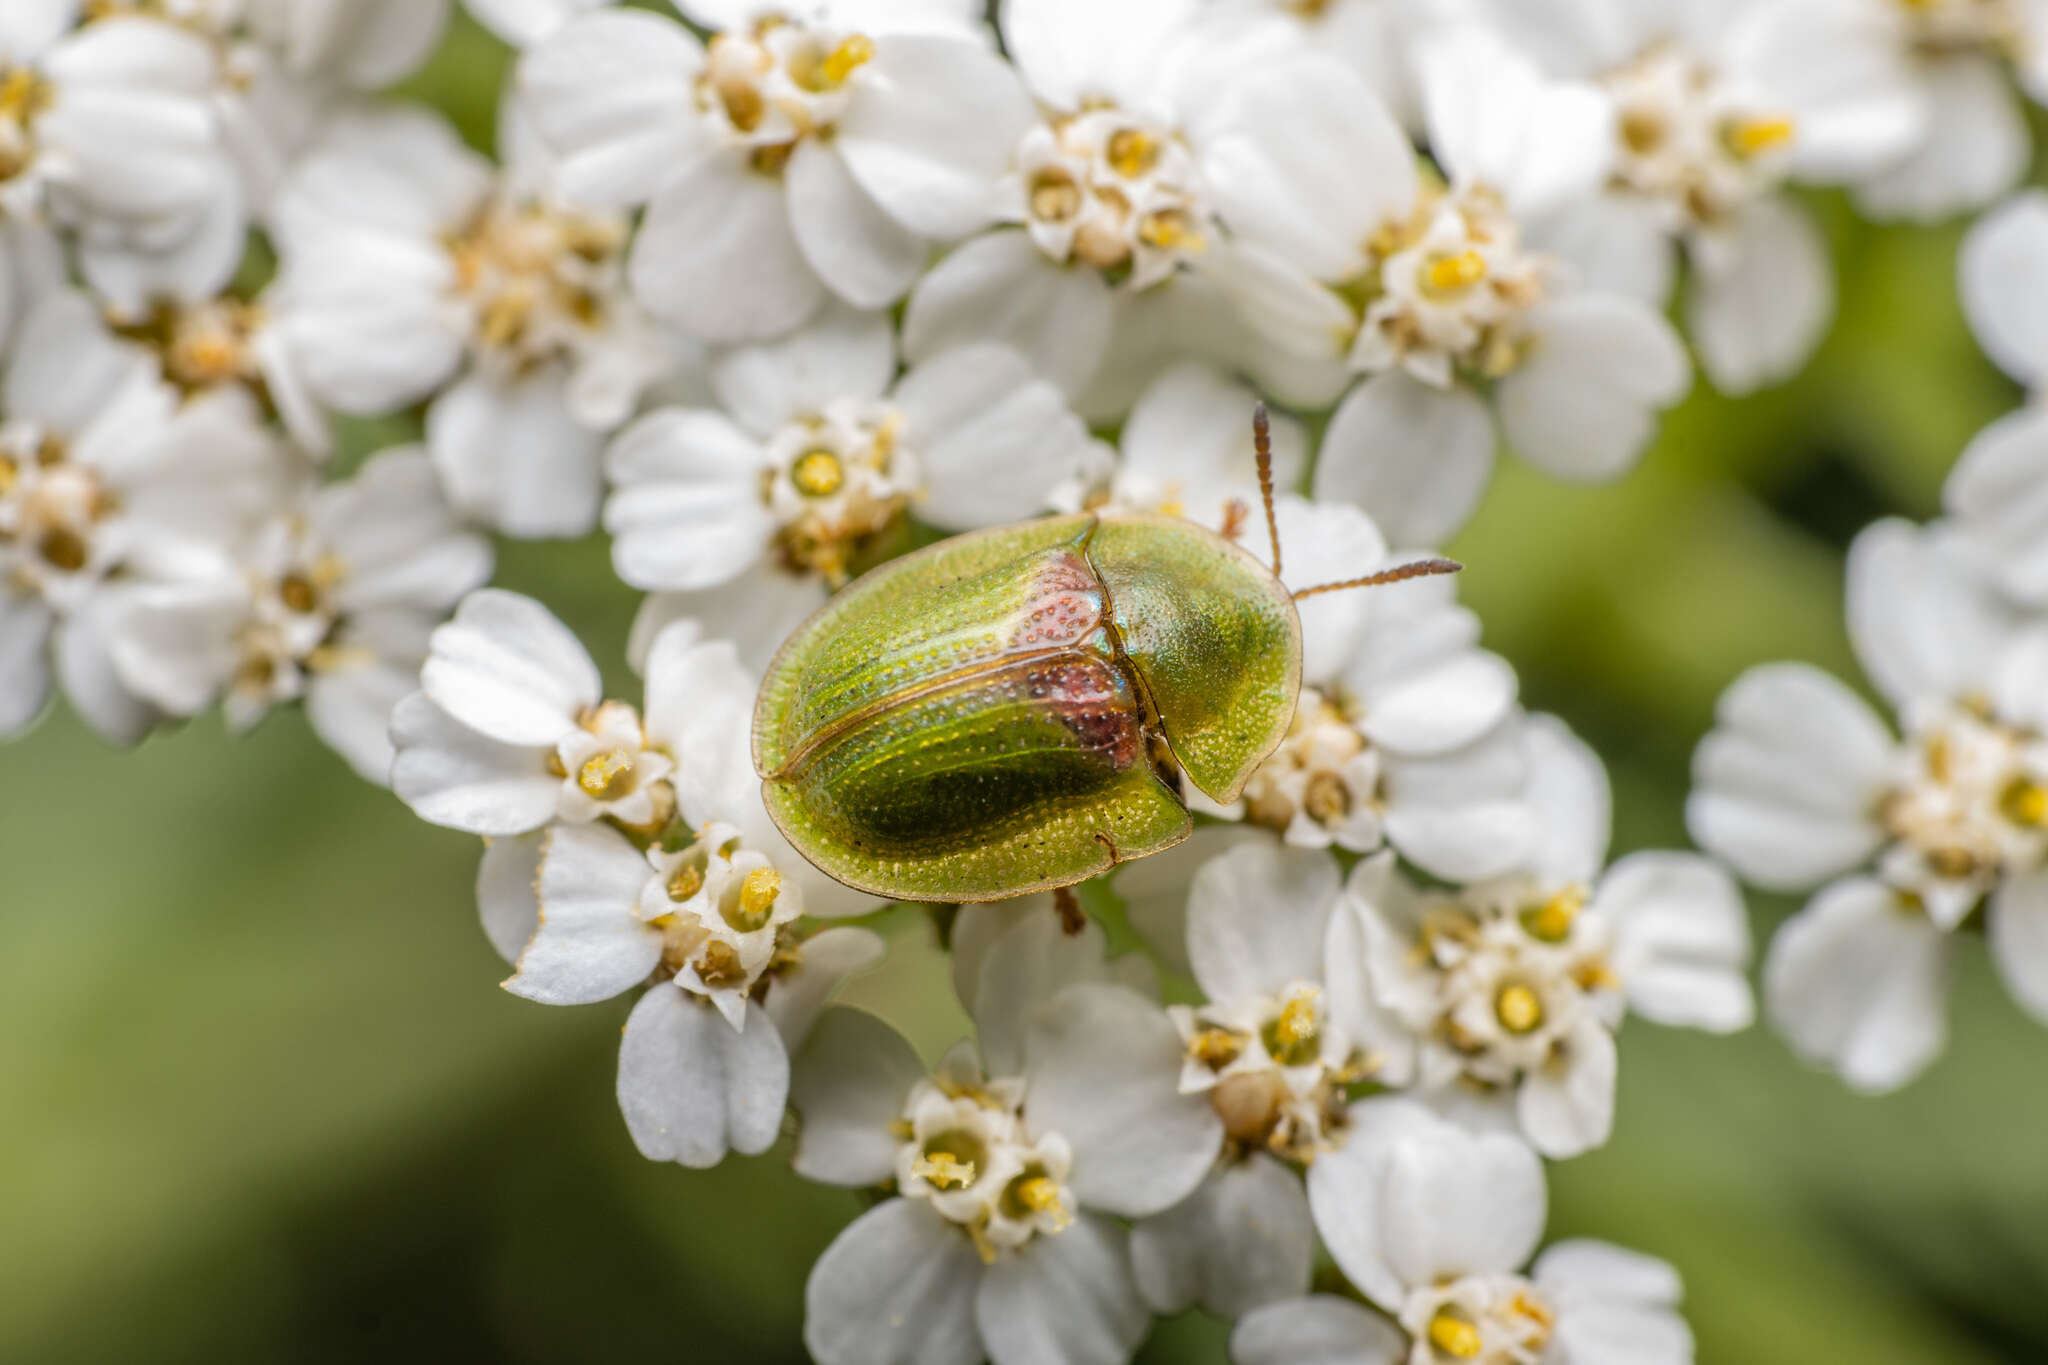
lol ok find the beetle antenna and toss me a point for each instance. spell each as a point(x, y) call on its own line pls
point(1400, 573)
point(1262, 449)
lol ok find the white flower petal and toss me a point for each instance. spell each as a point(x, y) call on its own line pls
point(1998, 493)
point(1587, 1272)
point(1191, 428)
point(685, 511)
point(1574, 805)
point(1975, 147)
point(349, 706)
point(1103, 1070)
point(2018, 928)
point(1348, 1189)
point(1782, 787)
point(1461, 1204)
point(700, 707)
point(1154, 890)
point(512, 457)
point(1762, 299)
point(451, 775)
point(1244, 1238)
point(2002, 269)
point(1270, 170)
point(1681, 940)
point(933, 131)
point(1615, 243)
point(841, 353)
point(1583, 404)
point(1073, 51)
point(757, 612)
point(1029, 960)
point(1415, 458)
point(848, 1085)
point(1322, 1330)
point(613, 95)
point(25, 624)
point(692, 1086)
point(862, 254)
point(1858, 981)
point(1324, 543)
point(1495, 120)
point(826, 960)
point(1068, 1298)
point(591, 943)
point(91, 683)
point(897, 1287)
point(1419, 683)
point(1925, 627)
point(1465, 816)
point(1614, 1307)
point(507, 669)
point(716, 255)
point(994, 439)
point(522, 23)
point(1257, 916)
point(508, 892)
point(1001, 287)
point(1566, 1108)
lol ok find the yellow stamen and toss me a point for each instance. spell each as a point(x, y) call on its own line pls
point(10, 474)
point(1326, 798)
point(1952, 863)
point(1132, 154)
point(1519, 1008)
point(1455, 1336)
point(848, 57)
point(1461, 271)
point(1748, 137)
point(1054, 198)
point(2024, 802)
point(943, 1171)
point(1168, 229)
point(818, 474)
point(1036, 1194)
point(1215, 1048)
point(756, 902)
point(686, 882)
point(1551, 922)
point(720, 965)
point(297, 593)
point(1296, 1032)
point(602, 776)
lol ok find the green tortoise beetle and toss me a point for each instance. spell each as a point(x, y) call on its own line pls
point(1015, 710)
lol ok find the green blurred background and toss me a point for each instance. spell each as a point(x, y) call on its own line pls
point(263, 1101)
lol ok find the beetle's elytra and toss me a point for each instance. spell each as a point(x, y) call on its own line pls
point(1018, 709)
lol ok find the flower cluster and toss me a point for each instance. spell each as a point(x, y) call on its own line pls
point(772, 292)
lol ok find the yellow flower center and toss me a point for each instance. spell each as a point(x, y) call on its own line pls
point(606, 776)
point(1519, 1008)
point(943, 1171)
point(818, 474)
point(685, 882)
point(1748, 137)
point(2024, 802)
point(1215, 1048)
point(1295, 1034)
point(1447, 274)
point(1131, 153)
point(755, 903)
point(1551, 922)
point(1455, 1336)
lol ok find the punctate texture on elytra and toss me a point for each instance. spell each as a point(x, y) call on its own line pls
point(1015, 709)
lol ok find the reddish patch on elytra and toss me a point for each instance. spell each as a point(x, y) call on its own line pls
point(1091, 700)
point(1062, 604)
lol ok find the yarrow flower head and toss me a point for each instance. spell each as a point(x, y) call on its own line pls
point(815, 461)
point(1801, 785)
point(410, 271)
point(1433, 1225)
point(753, 215)
point(1459, 322)
point(1717, 109)
point(1009, 1164)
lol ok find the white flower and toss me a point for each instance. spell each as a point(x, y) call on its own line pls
point(1717, 108)
point(105, 484)
point(817, 456)
point(1078, 188)
point(106, 127)
point(331, 601)
point(1433, 1225)
point(1402, 729)
point(1513, 987)
point(753, 217)
point(1376, 38)
point(1458, 322)
point(1009, 1168)
point(522, 23)
point(1186, 451)
point(1973, 144)
point(1801, 785)
point(408, 271)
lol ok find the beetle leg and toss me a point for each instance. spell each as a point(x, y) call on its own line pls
point(1072, 920)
